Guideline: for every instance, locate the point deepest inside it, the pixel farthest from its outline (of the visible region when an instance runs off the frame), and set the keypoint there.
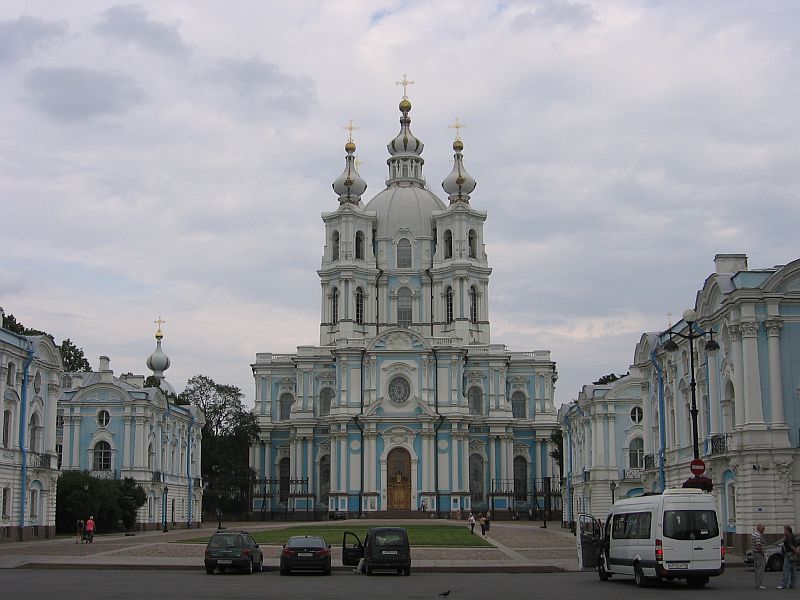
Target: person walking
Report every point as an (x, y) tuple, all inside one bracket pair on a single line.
[(482, 521), (90, 529), (759, 561), (471, 521), (79, 525), (790, 555), (488, 520)]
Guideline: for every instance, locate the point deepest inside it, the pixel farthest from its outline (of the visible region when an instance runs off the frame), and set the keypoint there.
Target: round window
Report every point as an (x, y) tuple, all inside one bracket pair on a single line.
[(399, 390), (637, 414), (103, 418)]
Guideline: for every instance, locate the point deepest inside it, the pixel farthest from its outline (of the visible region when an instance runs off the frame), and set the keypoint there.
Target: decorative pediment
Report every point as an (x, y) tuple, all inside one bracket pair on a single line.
[(400, 339), (283, 451), (398, 435), (472, 375)]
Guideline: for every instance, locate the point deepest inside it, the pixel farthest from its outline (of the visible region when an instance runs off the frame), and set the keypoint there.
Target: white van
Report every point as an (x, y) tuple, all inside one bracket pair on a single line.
[(674, 535)]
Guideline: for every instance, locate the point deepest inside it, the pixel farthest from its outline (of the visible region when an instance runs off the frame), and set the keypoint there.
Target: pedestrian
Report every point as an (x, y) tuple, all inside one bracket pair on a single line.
[(488, 520), (79, 525), (790, 557), (759, 561), (90, 529), (471, 521), (482, 521)]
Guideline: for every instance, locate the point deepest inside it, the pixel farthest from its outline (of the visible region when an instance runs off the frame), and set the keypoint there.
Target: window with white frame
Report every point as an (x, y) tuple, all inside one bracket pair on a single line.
[(475, 400), (335, 246), (359, 306), (11, 375), (448, 305), (101, 456), (103, 418), (520, 479), (34, 504), (325, 400), (6, 502), (335, 306), (359, 245), (636, 453), (518, 405), (473, 305), (476, 477), (448, 244), (404, 254), (473, 244), (636, 414), (285, 406), (6, 428), (404, 312)]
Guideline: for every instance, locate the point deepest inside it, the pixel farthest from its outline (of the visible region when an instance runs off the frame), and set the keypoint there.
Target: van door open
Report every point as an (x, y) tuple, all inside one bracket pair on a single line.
[(352, 549), (589, 542)]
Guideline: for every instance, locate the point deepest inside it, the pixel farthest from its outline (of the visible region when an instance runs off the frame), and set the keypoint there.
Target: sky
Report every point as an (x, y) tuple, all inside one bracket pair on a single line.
[(173, 158)]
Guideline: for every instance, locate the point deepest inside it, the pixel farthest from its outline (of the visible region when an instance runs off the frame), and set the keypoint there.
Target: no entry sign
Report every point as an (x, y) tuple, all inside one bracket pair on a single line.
[(697, 467)]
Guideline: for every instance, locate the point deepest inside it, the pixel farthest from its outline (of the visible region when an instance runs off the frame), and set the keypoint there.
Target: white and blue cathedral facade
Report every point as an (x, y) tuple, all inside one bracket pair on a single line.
[(406, 404)]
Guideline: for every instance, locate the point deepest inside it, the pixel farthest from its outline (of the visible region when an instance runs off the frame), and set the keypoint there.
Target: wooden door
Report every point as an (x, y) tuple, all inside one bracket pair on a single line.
[(398, 466)]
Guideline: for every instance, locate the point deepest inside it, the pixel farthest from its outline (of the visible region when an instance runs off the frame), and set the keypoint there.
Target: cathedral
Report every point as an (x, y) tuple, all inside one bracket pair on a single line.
[(406, 404)]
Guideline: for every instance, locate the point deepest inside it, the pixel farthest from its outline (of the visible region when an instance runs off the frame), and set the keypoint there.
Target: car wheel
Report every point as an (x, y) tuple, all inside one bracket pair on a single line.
[(696, 582), (249, 568), (407, 571), (775, 563), (638, 576), (260, 566), (210, 570), (284, 571)]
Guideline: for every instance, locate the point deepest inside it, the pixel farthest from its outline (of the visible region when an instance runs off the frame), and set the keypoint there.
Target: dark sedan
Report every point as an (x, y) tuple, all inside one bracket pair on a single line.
[(306, 553), (233, 550)]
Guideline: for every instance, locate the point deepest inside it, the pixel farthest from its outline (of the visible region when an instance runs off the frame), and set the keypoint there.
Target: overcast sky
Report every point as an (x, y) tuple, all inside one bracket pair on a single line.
[(173, 158)]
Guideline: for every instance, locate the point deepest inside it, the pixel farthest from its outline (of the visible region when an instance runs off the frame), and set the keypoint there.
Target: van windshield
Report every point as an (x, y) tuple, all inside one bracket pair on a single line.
[(690, 524), (389, 538)]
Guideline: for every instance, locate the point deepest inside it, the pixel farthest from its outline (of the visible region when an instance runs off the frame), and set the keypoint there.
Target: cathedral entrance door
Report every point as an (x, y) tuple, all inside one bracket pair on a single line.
[(398, 473)]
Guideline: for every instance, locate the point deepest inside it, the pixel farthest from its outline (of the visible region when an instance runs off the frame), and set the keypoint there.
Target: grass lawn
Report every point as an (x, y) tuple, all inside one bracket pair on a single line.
[(451, 536)]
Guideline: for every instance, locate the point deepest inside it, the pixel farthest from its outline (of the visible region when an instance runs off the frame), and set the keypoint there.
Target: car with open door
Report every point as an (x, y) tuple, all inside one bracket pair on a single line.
[(384, 548)]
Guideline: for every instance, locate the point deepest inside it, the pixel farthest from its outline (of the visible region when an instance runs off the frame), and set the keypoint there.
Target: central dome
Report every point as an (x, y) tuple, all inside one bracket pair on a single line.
[(405, 206)]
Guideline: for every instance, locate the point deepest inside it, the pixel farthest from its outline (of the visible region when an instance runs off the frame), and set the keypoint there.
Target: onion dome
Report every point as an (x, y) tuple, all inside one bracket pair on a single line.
[(158, 362), (405, 163), (458, 184), (349, 185)]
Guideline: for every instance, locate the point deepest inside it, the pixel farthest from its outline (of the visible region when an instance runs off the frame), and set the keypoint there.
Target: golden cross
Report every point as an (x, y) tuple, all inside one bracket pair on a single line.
[(160, 322), (350, 128), (669, 320), (458, 127), (405, 83)]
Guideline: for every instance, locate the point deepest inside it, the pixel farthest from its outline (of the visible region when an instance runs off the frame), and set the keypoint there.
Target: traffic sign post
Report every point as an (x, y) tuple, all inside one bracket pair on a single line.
[(697, 467)]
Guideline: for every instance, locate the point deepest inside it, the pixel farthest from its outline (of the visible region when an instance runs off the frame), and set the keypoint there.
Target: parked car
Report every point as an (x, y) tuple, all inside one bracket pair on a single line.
[(773, 554), (233, 550), (306, 553), (383, 548)]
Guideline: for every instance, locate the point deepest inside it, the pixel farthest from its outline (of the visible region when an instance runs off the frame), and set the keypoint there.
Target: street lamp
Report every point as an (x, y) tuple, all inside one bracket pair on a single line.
[(690, 316), (165, 527), (613, 487)]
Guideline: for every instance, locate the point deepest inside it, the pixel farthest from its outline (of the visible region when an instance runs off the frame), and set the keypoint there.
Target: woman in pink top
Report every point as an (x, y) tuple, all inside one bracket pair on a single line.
[(90, 529)]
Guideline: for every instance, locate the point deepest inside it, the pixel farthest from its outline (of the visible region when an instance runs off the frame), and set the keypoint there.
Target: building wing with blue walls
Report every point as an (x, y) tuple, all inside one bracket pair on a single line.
[(406, 404)]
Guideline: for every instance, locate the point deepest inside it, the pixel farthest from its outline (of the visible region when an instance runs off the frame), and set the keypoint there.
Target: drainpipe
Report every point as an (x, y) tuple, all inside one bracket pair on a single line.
[(23, 408), (428, 271), (361, 434), (189, 466), (662, 436), (439, 423)]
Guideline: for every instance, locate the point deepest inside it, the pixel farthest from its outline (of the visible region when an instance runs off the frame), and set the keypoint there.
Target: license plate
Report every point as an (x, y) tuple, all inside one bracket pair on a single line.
[(305, 554), (224, 561), (390, 551), (677, 565)]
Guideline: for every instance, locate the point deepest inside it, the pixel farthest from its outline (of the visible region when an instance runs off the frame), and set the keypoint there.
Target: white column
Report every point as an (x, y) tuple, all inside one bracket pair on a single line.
[(334, 462), (537, 457), (503, 457), (713, 393), (126, 444), (465, 461), (76, 440), (66, 442), (647, 428), (49, 445), (343, 463), (775, 376), (492, 462), (754, 411), (738, 375), (138, 454), (267, 458), (597, 442), (612, 442)]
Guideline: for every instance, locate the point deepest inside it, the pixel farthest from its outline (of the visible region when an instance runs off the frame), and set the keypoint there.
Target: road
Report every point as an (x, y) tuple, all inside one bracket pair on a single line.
[(79, 584)]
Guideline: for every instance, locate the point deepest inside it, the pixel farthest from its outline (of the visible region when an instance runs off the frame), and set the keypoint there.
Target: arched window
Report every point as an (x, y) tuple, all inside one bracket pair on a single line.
[(473, 244), (283, 477), (448, 244), (37, 383), (404, 254), (151, 458), (359, 306), (518, 405), (448, 305), (101, 456), (636, 453), (475, 400), (325, 400), (324, 478), (335, 246), (476, 477), (35, 434), (285, 408), (520, 479), (334, 306), (360, 245), (473, 305), (404, 307), (34, 507), (637, 414), (6, 429), (103, 418)]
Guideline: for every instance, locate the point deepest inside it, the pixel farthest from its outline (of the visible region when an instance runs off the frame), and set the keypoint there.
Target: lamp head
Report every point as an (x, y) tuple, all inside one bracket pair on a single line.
[(670, 345), (711, 345), (689, 315)]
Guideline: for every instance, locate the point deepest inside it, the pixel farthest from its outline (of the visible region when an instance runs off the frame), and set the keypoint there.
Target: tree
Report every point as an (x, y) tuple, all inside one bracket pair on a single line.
[(132, 496), (557, 453), (109, 501), (74, 359)]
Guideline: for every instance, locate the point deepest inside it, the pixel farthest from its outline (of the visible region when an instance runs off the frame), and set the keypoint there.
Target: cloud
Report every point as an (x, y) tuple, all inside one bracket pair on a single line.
[(553, 13), (259, 87), (130, 23), (21, 37), (78, 93)]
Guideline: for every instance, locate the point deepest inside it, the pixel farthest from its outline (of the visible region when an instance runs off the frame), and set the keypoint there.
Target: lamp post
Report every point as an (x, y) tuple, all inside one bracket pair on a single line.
[(690, 316), (613, 487), (165, 527)]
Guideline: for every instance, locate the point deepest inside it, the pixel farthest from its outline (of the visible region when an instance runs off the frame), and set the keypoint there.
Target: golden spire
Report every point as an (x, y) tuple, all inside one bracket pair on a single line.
[(458, 127), (350, 128), (159, 322), (405, 83)]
